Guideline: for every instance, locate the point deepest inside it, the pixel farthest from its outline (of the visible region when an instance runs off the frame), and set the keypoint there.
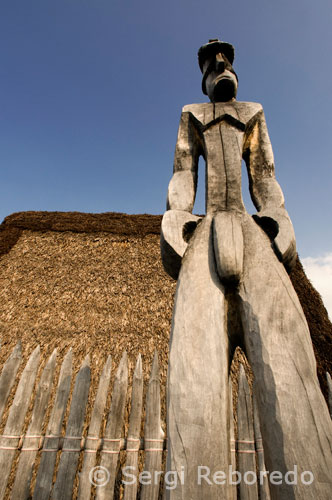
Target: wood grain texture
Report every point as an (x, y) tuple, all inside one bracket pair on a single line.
[(246, 442), (263, 483), (44, 479), (113, 431), (133, 438), (279, 350), (198, 396), (8, 375), (21, 488), (153, 435), (92, 440), (16, 417), (72, 443)]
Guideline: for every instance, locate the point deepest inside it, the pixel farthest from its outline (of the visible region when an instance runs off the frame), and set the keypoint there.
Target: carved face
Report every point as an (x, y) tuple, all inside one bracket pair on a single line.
[(220, 79)]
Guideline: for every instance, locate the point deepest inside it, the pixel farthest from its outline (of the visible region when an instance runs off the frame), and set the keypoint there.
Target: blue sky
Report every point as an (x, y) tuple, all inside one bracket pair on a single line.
[(92, 90)]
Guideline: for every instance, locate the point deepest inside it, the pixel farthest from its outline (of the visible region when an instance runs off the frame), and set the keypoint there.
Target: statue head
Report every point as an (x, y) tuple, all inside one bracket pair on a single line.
[(219, 78)]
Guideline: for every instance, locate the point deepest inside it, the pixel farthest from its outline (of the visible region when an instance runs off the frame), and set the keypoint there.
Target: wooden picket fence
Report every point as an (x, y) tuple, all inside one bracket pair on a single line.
[(55, 476), (72, 444)]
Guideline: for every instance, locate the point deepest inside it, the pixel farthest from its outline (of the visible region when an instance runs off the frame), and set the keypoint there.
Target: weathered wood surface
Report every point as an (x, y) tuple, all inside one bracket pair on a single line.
[(153, 435), (113, 432), (92, 441), (198, 370), (263, 483), (329, 385), (31, 443), (44, 479), (246, 442), (228, 246), (173, 239), (133, 439), (10, 439), (8, 375), (72, 443)]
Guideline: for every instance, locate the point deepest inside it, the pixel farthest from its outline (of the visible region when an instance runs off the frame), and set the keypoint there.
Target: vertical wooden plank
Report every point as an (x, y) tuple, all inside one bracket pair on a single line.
[(263, 483), (329, 385), (133, 439), (233, 489), (91, 443), (10, 439), (113, 431), (21, 488), (72, 442), (153, 435), (51, 442), (246, 443), (8, 375)]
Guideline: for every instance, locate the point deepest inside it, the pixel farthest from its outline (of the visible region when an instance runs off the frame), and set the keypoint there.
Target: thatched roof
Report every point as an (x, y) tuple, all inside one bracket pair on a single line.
[(95, 282)]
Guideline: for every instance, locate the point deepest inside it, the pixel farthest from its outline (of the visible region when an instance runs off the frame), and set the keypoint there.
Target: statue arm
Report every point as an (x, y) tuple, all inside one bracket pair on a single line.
[(178, 222), (265, 191), (182, 187)]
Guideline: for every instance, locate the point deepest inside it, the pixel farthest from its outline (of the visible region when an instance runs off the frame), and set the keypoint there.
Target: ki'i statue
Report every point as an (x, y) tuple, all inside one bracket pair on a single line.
[(233, 289)]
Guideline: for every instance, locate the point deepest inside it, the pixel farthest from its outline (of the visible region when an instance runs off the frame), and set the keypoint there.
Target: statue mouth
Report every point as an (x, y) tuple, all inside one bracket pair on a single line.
[(224, 89)]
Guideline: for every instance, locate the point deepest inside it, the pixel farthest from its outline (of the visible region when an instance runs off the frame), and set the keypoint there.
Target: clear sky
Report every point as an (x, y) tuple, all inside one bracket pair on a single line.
[(92, 90)]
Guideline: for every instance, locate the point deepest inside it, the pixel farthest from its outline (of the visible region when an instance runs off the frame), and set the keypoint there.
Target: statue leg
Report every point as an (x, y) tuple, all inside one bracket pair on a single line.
[(197, 395), (295, 423)]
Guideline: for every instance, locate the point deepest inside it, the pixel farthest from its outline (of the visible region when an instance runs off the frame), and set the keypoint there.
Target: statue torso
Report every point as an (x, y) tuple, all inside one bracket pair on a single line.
[(222, 129)]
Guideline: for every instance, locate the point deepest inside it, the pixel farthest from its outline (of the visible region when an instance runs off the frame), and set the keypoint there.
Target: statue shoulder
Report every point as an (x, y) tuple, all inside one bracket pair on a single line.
[(197, 108), (201, 111), (247, 110)]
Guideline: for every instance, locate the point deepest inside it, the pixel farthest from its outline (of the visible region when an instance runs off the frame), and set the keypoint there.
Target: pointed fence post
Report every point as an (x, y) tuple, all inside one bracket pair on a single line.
[(63, 487), (112, 440), (9, 441), (246, 443), (8, 375), (31, 443), (153, 435), (92, 440), (44, 479), (133, 439)]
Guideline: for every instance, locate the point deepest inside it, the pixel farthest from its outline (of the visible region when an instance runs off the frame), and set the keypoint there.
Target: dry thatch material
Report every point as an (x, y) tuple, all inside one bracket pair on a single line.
[(95, 282)]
